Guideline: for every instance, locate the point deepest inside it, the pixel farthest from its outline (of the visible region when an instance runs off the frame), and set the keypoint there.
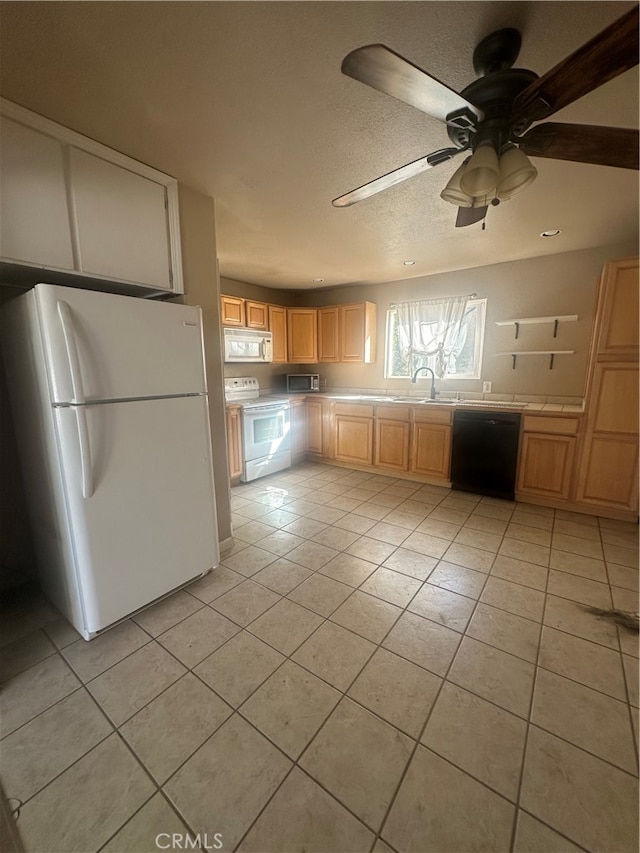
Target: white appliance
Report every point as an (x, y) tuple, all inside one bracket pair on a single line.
[(248, 345), (266, 428), (110, 403)]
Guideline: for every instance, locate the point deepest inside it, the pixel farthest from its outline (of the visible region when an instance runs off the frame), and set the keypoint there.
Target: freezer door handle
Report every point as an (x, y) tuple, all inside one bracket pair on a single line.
[(66, 320), (85, 451)]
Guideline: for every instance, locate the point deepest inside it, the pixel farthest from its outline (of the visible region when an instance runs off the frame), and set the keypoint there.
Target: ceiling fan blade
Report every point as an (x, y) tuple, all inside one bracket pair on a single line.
[(604, 57), (584, 143), (470, 215), (385, 70), (396, 177)]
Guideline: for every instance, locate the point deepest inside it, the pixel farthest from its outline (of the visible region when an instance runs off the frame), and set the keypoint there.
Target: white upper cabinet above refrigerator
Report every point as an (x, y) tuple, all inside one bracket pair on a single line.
[(69, 203), (116, 207), (33, 198)]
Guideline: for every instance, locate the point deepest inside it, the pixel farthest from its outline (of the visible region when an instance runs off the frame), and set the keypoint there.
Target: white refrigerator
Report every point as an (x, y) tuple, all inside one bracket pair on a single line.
[(109, 399)]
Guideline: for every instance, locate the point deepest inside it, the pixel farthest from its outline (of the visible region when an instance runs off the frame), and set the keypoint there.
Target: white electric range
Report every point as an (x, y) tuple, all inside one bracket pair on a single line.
[(266, 438)]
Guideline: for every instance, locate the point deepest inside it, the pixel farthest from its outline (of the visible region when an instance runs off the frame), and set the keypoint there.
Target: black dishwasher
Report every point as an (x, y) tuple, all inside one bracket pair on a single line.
[(484, 452)]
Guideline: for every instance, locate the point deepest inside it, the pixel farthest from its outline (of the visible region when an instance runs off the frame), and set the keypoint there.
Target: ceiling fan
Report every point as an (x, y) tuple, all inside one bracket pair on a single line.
[(492, 118)]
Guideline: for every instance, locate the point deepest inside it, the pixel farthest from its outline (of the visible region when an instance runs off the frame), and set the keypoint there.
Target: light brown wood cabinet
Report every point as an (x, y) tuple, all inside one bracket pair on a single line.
[(358, 332), (618, 310), (314, 427), (392, 437), (608, 468), (302, 335), (328, 327), (547, 455), (299, 442), (278, 329), (232, 311), (256, 314), (546, 465), (392, 445), (354, 439), (234, 442), (431, 450), (608, 473), (431, 443)]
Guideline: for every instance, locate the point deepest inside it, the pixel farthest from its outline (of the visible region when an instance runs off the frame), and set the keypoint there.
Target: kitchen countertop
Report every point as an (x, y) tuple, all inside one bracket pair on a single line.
[(445, 402), (493, 405)]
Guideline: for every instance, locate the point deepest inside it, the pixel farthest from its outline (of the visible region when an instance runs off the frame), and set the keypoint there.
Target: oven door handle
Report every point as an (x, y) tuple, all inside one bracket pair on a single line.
[(254, 410)]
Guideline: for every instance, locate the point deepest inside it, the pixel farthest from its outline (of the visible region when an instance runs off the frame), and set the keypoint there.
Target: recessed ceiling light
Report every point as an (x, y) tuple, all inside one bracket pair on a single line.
[(553, 233), (318, 279), (408, 263)]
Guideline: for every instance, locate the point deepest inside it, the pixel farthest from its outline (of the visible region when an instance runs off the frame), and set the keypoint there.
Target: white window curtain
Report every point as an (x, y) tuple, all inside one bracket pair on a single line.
[(431, 329)]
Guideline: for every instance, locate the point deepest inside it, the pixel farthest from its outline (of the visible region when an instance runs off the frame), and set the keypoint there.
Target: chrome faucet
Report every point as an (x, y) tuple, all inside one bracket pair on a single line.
[(414, 379)]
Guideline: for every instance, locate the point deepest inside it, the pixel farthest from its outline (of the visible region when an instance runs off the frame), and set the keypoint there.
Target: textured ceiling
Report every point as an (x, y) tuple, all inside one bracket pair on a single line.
[(245, 101)]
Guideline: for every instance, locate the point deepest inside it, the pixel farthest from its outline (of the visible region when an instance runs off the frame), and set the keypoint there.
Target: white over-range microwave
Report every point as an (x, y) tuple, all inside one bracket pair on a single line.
[(248, 345)]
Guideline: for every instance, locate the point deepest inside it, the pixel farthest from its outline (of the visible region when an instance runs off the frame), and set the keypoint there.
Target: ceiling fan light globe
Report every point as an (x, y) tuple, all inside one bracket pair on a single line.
[(481, 174), (516, 173), (453, 192)]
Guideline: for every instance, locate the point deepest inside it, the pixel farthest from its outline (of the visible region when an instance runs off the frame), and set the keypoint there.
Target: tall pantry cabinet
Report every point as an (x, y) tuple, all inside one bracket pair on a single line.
[(608, 469)]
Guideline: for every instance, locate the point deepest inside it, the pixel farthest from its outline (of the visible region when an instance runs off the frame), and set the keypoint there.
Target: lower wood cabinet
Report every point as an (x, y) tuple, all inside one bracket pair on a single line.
[(392, 437), (431, 450), (546, 464), (354, 439), (234, 442), (608, 475), (299, 441), (314, 427)]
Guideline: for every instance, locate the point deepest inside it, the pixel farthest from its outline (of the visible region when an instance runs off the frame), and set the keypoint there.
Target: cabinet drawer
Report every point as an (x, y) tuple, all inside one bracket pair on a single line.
[(428, 415), (393, 413), (557, 426), (354, 409)]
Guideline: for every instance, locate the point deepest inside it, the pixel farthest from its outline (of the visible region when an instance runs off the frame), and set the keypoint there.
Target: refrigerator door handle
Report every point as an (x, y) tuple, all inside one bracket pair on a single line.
[(85, 452), (66, 320)]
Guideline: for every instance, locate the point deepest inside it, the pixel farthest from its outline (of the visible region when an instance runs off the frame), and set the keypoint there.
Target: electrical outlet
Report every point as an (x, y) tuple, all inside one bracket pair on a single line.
[(486, 387)]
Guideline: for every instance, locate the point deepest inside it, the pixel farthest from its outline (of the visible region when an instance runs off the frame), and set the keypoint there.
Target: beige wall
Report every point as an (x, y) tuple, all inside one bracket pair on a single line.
[(556, 284), (202, 287)]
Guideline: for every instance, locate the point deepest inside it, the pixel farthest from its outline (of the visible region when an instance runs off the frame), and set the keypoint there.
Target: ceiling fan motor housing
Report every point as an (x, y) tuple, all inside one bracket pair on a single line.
[(494, 95)]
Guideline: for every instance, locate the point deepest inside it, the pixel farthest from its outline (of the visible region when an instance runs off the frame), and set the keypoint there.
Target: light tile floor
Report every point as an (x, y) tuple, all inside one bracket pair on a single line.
[(377, 665)]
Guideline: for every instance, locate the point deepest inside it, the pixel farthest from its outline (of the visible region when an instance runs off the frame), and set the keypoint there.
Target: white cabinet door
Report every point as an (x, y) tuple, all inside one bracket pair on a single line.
[(33, 198), (121, 221)]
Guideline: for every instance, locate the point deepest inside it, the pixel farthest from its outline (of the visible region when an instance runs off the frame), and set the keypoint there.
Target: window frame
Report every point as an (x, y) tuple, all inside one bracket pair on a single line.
[(392, 313)]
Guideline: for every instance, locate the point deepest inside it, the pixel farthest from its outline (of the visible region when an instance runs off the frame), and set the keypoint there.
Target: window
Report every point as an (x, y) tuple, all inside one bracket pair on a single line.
[(428, 337)]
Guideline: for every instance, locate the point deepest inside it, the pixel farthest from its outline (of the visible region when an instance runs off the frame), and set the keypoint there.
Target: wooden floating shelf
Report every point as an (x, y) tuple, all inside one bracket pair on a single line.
[(551, 353), (531, 321)]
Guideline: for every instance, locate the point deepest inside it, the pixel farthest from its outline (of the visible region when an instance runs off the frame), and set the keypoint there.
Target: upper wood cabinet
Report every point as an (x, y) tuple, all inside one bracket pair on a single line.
[(278, 328), (608, 468), (256, 314), (232, 311), (358, 332), (302, 335), (347, 333), (72, 204), (328, 327), (617, 318)]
